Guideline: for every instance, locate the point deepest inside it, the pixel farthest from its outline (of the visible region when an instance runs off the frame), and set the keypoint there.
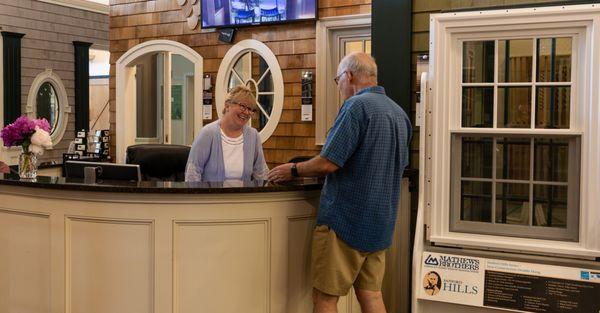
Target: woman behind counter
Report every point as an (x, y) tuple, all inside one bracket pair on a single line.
[(229, 149)]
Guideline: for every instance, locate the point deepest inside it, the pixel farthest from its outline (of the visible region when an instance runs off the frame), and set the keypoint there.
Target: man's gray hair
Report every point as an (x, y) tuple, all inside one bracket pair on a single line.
[(360, 64)]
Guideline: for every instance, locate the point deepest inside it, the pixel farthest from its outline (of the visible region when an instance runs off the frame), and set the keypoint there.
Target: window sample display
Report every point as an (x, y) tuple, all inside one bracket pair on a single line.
[(505, 171)]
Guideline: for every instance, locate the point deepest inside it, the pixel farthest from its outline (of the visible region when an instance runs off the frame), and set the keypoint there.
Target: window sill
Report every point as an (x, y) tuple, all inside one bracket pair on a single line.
[(515, 245)]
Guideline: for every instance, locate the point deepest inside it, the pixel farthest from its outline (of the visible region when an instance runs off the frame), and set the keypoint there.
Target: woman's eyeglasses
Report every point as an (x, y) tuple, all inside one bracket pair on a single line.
[(244, 107)]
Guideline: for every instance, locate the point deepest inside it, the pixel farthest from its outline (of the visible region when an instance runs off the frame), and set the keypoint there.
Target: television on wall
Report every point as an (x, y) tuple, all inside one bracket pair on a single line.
[(231, 13)]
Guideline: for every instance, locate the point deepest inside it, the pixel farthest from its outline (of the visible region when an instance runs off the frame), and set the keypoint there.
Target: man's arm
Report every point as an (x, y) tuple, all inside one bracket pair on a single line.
[(317, 166)]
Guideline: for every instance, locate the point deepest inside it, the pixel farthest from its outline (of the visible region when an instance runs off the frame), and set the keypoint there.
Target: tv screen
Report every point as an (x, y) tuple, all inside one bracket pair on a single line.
[(226, 13)]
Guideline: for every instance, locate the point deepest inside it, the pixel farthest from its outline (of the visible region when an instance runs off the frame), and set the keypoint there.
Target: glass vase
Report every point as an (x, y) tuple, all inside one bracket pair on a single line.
[(27, 165)]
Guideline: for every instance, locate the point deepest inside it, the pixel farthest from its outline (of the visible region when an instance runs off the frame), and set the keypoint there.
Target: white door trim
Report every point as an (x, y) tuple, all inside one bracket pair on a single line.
[(325, 27)]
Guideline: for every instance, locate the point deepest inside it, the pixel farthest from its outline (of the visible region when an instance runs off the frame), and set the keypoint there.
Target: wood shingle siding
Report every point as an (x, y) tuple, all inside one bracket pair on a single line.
[(134, 22)]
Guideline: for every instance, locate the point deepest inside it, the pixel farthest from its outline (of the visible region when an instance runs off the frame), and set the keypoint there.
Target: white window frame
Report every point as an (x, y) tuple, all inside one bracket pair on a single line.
[(227, 64), (446, 32), (327, 95), (571, 231), (63, 103), (82, 5)]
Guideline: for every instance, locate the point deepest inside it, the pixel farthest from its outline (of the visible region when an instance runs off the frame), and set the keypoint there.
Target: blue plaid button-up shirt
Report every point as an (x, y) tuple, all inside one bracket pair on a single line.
[(369, 142)]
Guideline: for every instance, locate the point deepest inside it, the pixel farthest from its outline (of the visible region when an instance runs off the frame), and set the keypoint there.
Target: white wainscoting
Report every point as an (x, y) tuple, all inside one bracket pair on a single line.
[(64, 251), (24, 261)]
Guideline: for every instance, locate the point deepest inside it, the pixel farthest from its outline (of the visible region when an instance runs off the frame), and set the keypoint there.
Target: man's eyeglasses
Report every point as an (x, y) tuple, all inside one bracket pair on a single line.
[(337, 78), (244, 107)]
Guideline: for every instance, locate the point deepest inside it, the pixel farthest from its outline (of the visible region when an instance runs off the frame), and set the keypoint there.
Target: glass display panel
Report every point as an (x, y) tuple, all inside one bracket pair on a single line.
[(512, 203), (476, 204), (552, 107), (476, 157), (554, 59), (551, 161), (47, 104), (514, 107), (353, 46), (513, 158), (259, 119), (478, 62), (149, 95), (243, 67), (550, 206), (515, 60), (478, 107), (182, 100), (259, 67)]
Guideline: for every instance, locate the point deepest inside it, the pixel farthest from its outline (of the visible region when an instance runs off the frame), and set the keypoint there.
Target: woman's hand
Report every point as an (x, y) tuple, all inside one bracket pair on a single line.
[(4, 168), (281, 173)]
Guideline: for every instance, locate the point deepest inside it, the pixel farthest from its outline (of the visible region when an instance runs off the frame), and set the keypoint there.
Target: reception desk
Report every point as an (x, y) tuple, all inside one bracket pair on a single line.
[(67, 246)]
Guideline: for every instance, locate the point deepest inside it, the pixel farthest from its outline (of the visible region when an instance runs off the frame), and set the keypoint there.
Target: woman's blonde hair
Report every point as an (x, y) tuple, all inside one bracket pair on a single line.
[(241, 92)]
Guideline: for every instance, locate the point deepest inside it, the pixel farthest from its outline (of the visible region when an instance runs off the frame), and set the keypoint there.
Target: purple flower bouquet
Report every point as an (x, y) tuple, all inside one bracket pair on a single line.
[(33, 137), (21, 131)]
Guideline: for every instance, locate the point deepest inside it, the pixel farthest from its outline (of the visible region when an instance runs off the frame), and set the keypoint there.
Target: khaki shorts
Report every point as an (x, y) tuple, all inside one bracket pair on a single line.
[(336, 266)]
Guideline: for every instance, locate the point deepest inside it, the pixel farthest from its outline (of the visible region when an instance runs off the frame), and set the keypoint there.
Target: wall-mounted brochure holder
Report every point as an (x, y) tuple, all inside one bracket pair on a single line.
[(307, 96), (207, 98)]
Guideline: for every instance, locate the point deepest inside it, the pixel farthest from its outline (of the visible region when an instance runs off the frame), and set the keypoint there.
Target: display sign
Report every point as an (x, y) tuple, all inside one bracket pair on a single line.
[(307, 96), (207, 106), (515, 286)]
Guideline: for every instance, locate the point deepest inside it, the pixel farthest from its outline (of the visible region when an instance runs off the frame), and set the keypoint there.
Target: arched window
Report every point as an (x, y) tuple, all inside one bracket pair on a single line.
[(253, 64), (47, 99), (154, 107)]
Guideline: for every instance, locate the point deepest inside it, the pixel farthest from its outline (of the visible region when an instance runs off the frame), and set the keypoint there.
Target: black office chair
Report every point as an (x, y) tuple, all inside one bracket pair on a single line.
[(158, 161)]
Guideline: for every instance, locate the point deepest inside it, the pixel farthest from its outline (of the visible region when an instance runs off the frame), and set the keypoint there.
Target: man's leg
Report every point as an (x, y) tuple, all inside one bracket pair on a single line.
[(370, 301), (368, 283), (324, 303), (335, 266)]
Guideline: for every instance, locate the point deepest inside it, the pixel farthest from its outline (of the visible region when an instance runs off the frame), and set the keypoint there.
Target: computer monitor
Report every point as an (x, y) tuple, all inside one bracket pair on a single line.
[(109, 171)]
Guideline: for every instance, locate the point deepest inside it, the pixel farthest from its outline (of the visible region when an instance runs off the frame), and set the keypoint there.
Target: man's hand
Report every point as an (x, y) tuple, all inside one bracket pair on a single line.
[(281, 173)]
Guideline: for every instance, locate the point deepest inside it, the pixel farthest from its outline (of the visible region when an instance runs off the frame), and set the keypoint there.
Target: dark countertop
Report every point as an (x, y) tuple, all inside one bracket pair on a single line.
[(45, 182)]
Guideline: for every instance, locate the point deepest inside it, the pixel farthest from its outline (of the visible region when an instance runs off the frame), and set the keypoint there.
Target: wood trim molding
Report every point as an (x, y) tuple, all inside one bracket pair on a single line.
[(324, 50), (82, 5)]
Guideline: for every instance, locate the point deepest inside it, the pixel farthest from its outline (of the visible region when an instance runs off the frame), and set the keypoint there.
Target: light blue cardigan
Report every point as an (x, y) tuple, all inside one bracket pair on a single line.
[(205, 162)]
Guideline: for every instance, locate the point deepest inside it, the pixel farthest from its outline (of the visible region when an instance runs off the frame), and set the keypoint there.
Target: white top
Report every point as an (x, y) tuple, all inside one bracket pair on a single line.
[(233, 156)]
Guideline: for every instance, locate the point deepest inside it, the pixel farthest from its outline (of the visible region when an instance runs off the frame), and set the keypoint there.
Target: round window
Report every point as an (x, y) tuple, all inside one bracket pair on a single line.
[(47, 98), (47, 105), (253, 71), (252, 64)]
